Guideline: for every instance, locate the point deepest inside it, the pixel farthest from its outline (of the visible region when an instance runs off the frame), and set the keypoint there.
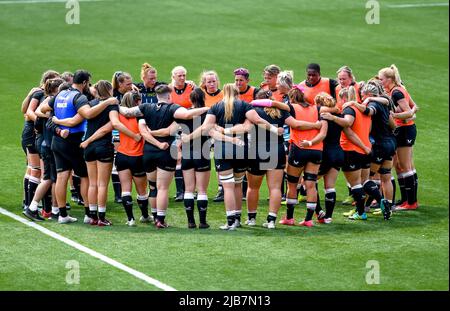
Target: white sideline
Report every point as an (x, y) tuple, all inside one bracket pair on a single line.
[(416, 5), (43, 1), (89, 251)]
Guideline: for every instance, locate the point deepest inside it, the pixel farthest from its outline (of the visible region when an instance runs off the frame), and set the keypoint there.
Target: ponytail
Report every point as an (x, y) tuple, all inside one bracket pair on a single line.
[(325, 100), (119, 77), (146, 68), (398, 80), (52, 85), (393, 74), (230, 94), (349, 93)]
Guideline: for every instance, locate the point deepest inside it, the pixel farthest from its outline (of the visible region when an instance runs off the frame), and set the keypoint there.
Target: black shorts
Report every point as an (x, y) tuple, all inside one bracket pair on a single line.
[(195, 160), (38, 143), (332, 157), (406, 135), (29, 138), (383, 151), (159, 159), (69, 155), (49, 164), (238, 166), (300, 157), (259, 167), (134, 164), (199, 165), (354, 161), (102, 152)]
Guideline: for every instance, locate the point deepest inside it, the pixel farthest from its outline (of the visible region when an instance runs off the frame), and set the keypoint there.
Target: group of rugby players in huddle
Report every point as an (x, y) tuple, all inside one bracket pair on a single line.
[(145, 133)]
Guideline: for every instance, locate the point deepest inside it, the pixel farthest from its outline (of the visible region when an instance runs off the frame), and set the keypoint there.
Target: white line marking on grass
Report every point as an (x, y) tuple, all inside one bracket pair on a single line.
[(89, 251), (416, 5), (43, 1)]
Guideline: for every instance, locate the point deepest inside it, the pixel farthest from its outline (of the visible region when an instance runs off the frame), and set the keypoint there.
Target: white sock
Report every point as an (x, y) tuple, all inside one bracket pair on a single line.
[(33, 206)]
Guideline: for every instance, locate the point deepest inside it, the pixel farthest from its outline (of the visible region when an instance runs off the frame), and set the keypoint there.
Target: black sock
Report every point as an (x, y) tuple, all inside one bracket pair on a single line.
[(318, 206), (371, 188), (63, 212), (127, 203), (271, 218), (102, 215), (73, 193), (189, 208), (179, 182), (301, 190), (251, 215), (237, 215), (310, 211), (289, 209), (394, 189), (283, 181), (116, 185), (25, 191), (202, 206), (76, 182), (93, 214), (349, 190), (32, 186), (416, 186), (244, 187), (230, 219), (401, 183), (87, 211), (143, 206), (155, 215), (330, 202), (47, 201), (410, 189), (161, 218), (359, 197)]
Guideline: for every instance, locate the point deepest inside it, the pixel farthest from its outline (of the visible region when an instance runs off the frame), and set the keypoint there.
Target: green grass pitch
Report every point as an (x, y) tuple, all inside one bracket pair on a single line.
[(412, 248)]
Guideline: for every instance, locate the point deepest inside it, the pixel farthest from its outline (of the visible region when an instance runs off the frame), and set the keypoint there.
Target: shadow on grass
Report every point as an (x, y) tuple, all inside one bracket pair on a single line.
[(425, 215)]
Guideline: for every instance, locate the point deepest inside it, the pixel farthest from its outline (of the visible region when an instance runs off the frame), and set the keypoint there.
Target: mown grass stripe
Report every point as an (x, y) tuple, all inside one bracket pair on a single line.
[(89, 251)]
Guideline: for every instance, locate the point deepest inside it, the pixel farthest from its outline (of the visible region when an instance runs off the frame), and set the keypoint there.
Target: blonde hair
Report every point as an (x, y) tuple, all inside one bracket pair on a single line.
[(349, 93), (130, 99), (286, 79), (230, 94), (119, 77), (273, 112), (174, 70), (206, 74), (324, 99), (103, 88), (146, 68), (348, 70), (391, 73)]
